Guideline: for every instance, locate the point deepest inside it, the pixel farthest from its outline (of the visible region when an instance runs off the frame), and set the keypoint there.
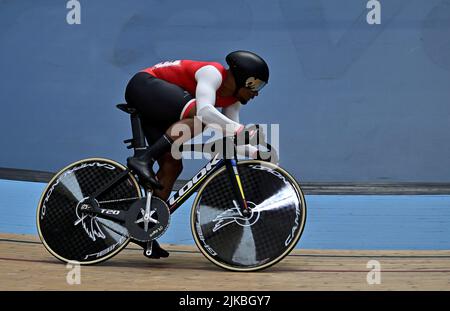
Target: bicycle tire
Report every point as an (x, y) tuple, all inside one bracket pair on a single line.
[(92, 239)]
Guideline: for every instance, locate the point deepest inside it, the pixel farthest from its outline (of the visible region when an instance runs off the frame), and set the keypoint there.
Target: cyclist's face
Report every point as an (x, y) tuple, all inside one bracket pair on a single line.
[(245, 94)]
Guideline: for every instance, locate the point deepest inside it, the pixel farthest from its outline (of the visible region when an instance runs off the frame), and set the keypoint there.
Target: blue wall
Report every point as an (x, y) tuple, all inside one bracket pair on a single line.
[(355, 102)]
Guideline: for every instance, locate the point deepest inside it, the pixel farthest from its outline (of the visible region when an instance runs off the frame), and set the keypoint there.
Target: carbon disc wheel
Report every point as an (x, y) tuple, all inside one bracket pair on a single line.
[(258, 239), (66, 230)]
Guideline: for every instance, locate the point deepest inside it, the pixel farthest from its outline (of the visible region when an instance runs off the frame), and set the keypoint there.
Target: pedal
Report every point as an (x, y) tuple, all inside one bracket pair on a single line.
[(149, 248)]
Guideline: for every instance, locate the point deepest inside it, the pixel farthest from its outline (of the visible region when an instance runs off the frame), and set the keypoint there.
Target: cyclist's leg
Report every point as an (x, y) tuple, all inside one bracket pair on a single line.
[(160, 104), (170, 167), (169, 170)]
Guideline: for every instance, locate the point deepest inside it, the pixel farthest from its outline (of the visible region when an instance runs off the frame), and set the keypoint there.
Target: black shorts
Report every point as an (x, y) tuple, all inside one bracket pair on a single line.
[(159, 103)]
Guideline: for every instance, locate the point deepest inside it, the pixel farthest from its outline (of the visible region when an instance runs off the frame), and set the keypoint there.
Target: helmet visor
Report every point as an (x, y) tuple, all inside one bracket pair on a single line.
[(254, 84)]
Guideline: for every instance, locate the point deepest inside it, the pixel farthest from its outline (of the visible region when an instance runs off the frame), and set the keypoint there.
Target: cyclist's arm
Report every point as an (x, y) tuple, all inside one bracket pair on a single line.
[(232, 111), (209, 80)]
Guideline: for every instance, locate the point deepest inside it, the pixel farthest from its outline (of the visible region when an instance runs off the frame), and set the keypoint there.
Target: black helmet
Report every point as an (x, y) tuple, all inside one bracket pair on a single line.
[(248, 69)]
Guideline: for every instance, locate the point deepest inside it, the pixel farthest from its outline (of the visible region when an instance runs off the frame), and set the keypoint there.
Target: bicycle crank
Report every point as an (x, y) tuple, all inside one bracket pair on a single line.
[(147, 219)]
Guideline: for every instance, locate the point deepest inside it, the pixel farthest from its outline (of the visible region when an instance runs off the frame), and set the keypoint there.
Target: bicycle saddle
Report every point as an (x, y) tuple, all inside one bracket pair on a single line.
[(126, 108)]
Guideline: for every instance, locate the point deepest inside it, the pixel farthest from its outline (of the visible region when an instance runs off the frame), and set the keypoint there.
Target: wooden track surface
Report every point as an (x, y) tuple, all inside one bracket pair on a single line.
[(26, 265)]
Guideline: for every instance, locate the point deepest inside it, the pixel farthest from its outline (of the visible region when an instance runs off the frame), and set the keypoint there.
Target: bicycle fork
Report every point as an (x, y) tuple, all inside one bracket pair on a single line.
[(236, 184)]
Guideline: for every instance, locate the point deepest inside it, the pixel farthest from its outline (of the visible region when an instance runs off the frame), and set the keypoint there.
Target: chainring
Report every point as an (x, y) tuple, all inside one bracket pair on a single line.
[(160, 212)]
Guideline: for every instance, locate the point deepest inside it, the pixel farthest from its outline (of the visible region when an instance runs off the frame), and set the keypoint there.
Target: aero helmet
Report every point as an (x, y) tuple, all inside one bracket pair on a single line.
[(248, 69)]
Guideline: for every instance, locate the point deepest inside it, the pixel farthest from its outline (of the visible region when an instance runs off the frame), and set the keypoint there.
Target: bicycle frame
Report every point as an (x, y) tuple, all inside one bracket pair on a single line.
[(175, 201), (232, 169), (185, 192)]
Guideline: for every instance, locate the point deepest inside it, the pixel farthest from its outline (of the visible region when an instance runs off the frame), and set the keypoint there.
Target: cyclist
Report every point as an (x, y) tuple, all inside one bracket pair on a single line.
[(184, 92)]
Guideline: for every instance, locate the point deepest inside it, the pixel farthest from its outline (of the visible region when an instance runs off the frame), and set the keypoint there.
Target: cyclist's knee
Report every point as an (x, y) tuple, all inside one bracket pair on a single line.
[(185, 129)]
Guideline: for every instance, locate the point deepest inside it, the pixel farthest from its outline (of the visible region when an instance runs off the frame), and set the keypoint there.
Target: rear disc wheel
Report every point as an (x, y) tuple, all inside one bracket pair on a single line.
[(65, 227)]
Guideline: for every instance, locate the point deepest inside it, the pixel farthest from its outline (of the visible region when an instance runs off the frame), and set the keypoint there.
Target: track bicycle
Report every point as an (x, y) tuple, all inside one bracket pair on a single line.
[(247, 214)]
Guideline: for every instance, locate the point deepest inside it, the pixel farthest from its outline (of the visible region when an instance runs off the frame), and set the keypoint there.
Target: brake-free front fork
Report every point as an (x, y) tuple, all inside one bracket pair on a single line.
[(236, 184)]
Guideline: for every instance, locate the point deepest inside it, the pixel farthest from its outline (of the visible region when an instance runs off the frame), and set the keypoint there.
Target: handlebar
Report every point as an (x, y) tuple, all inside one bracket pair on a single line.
[(216, 146)]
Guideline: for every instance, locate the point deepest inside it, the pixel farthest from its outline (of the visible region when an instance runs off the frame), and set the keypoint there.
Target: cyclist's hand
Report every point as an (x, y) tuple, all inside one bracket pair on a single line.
[(248, 134)]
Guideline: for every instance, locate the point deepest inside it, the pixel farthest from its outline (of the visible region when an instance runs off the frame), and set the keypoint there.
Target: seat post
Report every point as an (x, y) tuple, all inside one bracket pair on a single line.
[(139, 144)]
